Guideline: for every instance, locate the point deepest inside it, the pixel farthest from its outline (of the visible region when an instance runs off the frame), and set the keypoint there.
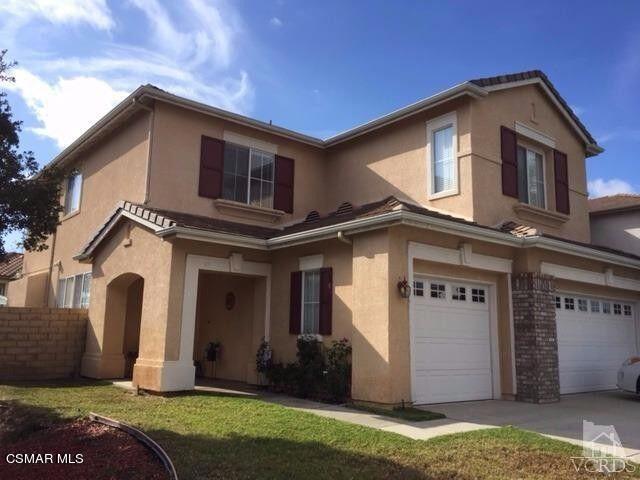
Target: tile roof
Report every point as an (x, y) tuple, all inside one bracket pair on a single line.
[(10, 265), (159, 219), (532, 74), (621, 201)]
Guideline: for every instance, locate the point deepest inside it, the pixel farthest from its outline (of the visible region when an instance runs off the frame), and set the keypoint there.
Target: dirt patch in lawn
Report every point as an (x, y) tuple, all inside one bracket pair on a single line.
[(80, 450)]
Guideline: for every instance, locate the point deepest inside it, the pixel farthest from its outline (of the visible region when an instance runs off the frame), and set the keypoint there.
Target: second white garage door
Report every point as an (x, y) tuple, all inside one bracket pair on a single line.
[(451, 335), (595, 335)]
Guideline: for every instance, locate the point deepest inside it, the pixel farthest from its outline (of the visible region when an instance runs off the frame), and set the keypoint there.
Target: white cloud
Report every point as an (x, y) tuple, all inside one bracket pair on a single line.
[(275, 22), (190, 52), (93, 12), (67, 107), (207, 34), (602, 188)]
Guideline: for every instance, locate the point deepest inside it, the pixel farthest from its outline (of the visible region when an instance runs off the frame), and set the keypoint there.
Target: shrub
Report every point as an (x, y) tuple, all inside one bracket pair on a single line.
[(317, 373), (338, 377)]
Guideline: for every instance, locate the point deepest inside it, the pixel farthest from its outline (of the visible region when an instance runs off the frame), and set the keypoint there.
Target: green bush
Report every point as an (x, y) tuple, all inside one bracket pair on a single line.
[(319, 374)]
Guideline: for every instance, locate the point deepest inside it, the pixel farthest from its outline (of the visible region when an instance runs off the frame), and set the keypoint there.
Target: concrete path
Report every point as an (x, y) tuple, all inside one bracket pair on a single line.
[(562, 420)]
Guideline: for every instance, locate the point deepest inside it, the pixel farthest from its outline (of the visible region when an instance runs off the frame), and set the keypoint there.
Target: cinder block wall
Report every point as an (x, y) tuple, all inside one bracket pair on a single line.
[(41, 343)]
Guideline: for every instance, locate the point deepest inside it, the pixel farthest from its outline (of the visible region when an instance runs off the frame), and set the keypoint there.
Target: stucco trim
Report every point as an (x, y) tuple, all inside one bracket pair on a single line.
[(535, 135), (606, 279), (464, 256)]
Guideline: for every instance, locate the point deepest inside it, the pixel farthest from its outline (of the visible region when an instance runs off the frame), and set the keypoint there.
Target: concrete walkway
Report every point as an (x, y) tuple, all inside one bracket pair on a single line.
[(562, 420)]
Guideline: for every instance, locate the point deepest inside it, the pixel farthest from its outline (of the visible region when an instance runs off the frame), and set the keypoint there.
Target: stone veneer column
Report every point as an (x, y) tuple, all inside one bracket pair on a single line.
[(536, 340)]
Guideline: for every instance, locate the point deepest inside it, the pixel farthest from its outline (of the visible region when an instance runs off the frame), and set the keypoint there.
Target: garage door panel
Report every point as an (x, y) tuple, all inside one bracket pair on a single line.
[(451, 346), (459, 355), (451, 387), (593, 344)]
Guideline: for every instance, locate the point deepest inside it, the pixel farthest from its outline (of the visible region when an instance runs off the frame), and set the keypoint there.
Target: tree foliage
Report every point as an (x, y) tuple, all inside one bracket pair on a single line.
[(29, 199)]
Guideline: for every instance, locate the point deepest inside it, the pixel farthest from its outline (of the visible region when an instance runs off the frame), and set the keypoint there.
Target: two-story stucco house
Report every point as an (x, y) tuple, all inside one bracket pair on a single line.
[(185, 224)]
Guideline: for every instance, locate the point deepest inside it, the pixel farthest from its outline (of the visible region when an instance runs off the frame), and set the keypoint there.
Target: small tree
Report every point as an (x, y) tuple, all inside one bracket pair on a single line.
[(29, 200)]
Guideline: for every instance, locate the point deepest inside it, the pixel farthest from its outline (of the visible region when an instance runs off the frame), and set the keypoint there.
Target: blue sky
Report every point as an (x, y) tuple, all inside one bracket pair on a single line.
[(321, 67)]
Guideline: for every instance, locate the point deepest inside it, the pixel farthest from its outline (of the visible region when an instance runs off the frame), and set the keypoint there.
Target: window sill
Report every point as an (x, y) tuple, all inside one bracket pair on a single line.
[(251, 212), (444, 194), (540, 215), (67, 216)]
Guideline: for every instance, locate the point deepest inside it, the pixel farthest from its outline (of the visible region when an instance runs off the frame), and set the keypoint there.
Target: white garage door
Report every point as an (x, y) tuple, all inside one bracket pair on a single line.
[(451, 337), (595, 336)]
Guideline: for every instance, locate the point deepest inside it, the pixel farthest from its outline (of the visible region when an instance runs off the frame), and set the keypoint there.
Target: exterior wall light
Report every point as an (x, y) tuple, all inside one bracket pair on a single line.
[(404, 288)]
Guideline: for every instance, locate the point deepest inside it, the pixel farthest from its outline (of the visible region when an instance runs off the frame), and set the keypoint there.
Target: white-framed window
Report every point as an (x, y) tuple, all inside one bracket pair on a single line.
[(418, 288), (73, 192), (617, 309), (438, 290), (459, 293), (478, 295), (582, 305), (569, 303), (442, 156), (74, 291), (248, 175), (595, 306), (558, 302), (531, 174), (310, 302), (606, 307), (627, 310)]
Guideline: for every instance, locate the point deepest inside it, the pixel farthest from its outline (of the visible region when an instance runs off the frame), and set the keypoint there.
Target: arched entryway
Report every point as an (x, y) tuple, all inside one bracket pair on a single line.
[(123, 313)]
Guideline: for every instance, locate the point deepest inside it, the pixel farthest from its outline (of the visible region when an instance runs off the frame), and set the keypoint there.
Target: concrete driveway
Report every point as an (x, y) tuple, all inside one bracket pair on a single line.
[(562, 420)]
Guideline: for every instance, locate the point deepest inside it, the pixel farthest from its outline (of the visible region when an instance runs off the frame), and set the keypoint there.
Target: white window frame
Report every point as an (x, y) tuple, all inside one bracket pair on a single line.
[(68, 208), (540, 152), (434, 125), (61, 300), (310, 263), (253, 149)]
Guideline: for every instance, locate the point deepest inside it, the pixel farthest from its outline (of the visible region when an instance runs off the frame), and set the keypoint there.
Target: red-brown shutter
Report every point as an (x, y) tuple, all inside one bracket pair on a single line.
[(211, 166), (326, 300), (561, 181), (295, 303), (283, 189), (509, 148)]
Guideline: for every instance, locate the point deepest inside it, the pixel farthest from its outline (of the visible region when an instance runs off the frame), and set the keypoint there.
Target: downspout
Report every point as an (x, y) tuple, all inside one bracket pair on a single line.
[(50, 286), (136, 101), (344, 239)]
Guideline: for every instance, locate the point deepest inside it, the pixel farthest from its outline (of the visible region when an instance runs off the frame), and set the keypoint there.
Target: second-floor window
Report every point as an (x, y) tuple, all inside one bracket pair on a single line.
[(72, 193), (442, 156), (248, 175), (531, 177)]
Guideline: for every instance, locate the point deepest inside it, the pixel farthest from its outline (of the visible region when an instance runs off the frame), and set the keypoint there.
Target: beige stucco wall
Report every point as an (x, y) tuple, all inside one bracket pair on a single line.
[(617, 230), (114, 169), (393, 161), (505, 107), (175, 165), (131, 252)]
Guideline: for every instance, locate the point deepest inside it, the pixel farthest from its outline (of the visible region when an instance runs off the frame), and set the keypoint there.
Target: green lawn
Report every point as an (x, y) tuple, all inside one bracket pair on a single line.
[(216, 436), (408, 413)]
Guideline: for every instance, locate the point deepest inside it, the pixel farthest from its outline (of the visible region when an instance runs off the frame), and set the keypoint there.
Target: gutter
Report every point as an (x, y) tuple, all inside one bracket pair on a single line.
[(399, 217)]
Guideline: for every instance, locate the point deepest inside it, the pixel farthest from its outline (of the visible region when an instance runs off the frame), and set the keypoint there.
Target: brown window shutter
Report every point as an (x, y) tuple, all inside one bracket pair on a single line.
[(295, 304), (509, 147), (326, 300), (211, 166), (283, 189), (561, 181)]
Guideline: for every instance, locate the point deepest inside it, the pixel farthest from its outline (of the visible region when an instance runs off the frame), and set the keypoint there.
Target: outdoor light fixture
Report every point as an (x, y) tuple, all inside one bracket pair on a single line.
[(404, 288)]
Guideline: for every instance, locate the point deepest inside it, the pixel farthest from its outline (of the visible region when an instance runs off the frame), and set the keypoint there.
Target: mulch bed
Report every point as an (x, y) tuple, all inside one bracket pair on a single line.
[(107, 453)]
